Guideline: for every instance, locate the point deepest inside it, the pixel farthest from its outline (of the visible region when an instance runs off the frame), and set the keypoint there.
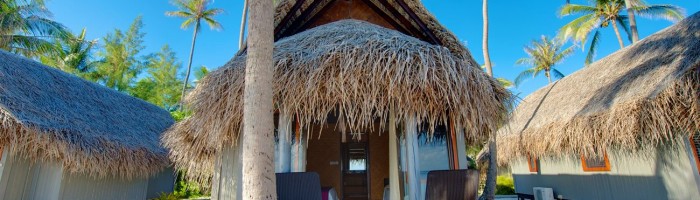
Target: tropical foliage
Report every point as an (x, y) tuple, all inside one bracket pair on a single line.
[(161, 85), (543, 56), (121, 62), (72, 54), (609, 13), (25, 27)]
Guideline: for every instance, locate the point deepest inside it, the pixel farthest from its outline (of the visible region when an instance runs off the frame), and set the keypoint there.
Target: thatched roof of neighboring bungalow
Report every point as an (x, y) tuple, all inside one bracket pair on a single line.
[(644, 95), (351, 67), (49, 115)]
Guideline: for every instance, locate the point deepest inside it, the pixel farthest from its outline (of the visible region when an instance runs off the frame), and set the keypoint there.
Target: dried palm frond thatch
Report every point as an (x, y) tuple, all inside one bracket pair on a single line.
[(642, 96), (49, 115), (351, 67)]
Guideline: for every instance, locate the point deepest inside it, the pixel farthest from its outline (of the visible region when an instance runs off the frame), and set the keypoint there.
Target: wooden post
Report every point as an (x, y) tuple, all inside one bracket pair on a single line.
[(461, 146), (393, 158), (299, 150), (284, 144)]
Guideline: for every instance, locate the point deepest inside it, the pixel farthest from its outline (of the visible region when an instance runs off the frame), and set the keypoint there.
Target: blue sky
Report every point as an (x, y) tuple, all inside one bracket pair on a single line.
[(513, 25)]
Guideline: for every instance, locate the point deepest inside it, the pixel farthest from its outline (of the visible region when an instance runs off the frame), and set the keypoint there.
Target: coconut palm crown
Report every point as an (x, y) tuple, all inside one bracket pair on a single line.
[(609, 13), (543, 55)]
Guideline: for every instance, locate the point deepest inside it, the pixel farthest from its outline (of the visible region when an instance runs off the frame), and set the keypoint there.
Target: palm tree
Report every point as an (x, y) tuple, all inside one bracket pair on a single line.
[(543, 55), (490, 189), (72, 55), (194, 11), (604, 13), (25, 27), (257, 139), (607, 13)]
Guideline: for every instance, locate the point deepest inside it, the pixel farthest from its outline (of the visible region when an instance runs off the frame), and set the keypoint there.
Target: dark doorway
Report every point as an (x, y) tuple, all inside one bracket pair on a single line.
[(355, 170)]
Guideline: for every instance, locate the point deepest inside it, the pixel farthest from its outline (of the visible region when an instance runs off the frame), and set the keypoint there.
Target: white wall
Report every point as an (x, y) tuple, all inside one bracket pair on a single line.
[(76, 186), (659, 173), (21, 179), (163, 182)]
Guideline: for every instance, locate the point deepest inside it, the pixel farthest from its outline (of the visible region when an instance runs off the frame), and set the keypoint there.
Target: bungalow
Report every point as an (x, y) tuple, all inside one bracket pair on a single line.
[(62, 137), (625, 127), (370, 94)]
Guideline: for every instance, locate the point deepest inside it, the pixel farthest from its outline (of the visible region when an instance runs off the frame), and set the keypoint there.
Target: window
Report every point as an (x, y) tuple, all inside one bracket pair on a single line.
[(533, 163), (595, 163), (694, 145)]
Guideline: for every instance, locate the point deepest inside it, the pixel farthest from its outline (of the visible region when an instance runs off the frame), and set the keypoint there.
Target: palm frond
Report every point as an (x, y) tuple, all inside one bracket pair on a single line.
[(527, 74), (572, 9), (665, 11), (188, 23), (556, 73), (593, 48), (180, 13), (623, 21), (213, 24)]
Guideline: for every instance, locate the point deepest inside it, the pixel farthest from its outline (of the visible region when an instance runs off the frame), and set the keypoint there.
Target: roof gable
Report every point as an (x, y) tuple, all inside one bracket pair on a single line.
[(407, 16), (306, 14)]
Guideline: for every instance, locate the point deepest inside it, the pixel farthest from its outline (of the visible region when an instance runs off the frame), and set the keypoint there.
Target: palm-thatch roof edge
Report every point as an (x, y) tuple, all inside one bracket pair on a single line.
[(351, 67), (49, 115), (642, 96)]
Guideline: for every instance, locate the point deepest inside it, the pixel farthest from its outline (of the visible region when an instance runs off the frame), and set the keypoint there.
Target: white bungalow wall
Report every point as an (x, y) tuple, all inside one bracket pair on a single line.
[(83, 187), (21, 179), (668, 173), (163, 182)]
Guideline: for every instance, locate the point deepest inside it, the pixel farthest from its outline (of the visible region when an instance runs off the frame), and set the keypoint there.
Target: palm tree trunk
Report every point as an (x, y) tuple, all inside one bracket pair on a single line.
[(490, 189), (617, 33), (548, 75), (243, 22), (189, 63), (633, 21), (485, 44), (258, 142)]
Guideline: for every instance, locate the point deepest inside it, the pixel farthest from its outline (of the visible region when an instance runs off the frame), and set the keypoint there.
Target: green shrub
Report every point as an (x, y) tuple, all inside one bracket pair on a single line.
[(167, 196), (505, 185)]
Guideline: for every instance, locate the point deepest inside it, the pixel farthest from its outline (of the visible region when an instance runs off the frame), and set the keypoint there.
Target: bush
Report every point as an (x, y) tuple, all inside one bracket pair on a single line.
[(167, 196), (505, 185)]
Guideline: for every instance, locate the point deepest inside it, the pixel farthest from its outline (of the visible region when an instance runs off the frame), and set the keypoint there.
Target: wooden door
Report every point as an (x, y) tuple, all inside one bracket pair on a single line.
[(355, 170)]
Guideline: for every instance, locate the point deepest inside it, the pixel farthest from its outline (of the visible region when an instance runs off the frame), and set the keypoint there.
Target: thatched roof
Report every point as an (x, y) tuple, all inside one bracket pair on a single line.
[(351, 67), (646, 94), (47, 114)]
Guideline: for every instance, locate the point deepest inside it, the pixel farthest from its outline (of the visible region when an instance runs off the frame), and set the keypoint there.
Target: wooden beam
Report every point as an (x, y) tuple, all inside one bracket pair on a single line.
[(298, 20), (418, 21), (389, 19), (313, 19), (413, 31), (286, 18)]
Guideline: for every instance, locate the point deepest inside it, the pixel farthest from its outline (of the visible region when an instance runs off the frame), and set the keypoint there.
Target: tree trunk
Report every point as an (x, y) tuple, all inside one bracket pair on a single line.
[(258, 142), (548, 75), (617, 32), (189, 63), (490, 189), (633, 21), (485, 44), (243, 22)]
